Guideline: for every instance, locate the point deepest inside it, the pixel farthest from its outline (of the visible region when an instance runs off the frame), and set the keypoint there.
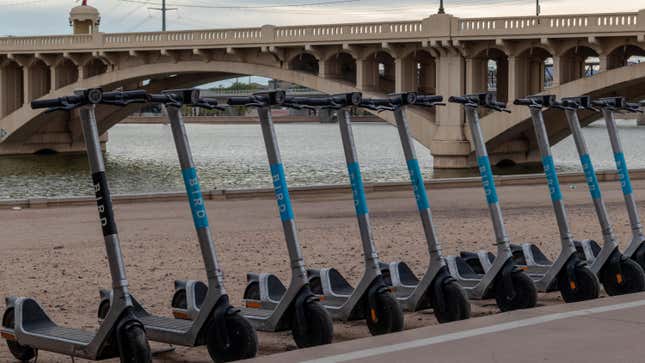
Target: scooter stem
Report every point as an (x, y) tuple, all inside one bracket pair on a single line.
[(488, 181), (104, 201)]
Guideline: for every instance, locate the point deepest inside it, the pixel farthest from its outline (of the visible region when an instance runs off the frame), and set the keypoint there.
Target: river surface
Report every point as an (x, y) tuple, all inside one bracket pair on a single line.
[(142, 159)]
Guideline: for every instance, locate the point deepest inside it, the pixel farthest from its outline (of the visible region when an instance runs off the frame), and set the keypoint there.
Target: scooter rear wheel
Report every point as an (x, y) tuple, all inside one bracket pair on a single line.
[(585, 287), (455, 305), (243, 341), (20, 352), (386, 316), (525, 293), (320, 329), (135, 345), (631, 280)]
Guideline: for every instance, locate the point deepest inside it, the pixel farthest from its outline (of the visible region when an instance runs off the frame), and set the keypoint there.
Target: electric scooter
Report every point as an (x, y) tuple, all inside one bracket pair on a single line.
[(609, 106), (218, 325), (617, 273), (436, 289), (511, 287), (568, 273), (269, 306), (370, 299), (25, 325)]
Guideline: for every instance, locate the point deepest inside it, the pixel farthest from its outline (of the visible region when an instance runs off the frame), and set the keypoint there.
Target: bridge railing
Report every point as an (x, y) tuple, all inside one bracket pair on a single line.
[(272, 35), (594, 23), (349, 31)]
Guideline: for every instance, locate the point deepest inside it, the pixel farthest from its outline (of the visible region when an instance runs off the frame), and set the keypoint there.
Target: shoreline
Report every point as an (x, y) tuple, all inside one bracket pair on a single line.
[(308, 192)]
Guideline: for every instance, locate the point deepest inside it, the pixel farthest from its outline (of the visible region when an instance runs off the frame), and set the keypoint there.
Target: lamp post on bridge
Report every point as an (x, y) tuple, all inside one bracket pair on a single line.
[(441, 9)]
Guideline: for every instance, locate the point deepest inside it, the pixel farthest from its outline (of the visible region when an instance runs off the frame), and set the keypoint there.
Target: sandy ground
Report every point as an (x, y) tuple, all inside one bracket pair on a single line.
[(56, 255)]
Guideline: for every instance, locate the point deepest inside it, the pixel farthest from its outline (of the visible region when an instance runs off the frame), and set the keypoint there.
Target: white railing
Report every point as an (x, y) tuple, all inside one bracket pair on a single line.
[(595, 23), (603, 24)]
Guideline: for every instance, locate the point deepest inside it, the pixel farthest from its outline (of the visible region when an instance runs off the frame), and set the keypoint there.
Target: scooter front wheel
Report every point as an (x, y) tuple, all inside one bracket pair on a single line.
[(455, 305), (585, 287), (320, 329), (20, 352), (135, 347), (523, 296), (630, 280), (242, 341), (385, 316)]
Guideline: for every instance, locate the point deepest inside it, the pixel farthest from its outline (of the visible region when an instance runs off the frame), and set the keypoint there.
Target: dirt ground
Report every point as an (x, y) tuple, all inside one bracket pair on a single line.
[(56, 255)]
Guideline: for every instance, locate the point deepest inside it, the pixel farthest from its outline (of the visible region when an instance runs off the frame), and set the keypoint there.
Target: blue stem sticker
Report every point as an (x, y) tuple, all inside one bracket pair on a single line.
[(623, 173), (417, 184), (281, 192), (360, 203), (552, 178), (487, 179), (195, 197), (590, 176)]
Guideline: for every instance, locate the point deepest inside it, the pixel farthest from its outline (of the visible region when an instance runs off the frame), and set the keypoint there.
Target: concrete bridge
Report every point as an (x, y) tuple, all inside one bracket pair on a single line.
[(443, 54)]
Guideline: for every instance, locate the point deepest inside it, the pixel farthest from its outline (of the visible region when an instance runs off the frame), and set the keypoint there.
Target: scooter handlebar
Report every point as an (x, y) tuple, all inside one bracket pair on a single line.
[(125, 97), (159, 98), (261, 99), (459, 99), (428, 99), (334, 101)]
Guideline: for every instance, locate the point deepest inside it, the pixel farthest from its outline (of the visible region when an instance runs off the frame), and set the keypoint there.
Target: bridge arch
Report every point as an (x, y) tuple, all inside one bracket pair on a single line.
[(535, 62), (39, 80), (379, 73), (13, 79), (66, 72), (621, 55), (305, 62), (341, 66), (577, 62), (490, 72)]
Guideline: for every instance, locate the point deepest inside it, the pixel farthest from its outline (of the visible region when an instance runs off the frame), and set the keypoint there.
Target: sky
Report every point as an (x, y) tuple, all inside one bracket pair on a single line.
[(36, 17)]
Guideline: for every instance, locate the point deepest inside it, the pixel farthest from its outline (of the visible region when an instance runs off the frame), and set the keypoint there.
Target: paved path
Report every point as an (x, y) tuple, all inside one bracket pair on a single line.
[(607, 330)]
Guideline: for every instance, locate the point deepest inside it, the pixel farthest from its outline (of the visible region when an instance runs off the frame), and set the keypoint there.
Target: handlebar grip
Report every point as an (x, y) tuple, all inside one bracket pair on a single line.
[(160, 98), (377, 101), (239, 101), (634, 105), (309, 101), (522, 102), (429, 99), (46, 103), (458, 99)]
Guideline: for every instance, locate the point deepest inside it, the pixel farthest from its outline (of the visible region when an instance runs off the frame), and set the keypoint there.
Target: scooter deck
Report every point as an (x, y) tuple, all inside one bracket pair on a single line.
[(152, 322), (251, 313), (77, 336)]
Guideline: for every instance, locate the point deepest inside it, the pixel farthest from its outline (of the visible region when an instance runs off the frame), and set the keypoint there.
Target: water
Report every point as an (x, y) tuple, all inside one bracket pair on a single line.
[(142, 158)]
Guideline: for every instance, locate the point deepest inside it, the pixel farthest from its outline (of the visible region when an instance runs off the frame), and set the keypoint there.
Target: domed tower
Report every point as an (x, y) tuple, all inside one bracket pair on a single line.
[(84, 19)]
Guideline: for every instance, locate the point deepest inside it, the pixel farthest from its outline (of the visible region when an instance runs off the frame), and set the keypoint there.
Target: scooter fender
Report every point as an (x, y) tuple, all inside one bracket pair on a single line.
[(304, 298), (507, 277), (442, 279), (377, 288), (223, 309), (128, 321)]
